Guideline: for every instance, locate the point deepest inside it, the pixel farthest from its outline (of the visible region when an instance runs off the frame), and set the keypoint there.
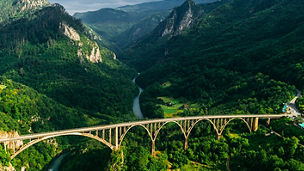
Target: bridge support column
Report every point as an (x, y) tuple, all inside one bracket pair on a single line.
[(219, 136), (116, 138), (186, 143), (255, 124), (153, 148)]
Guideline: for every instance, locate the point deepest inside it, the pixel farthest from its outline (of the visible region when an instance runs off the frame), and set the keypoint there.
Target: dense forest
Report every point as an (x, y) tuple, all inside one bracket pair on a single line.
[(226, 57), (236, 150), (46, 85), (229, 61)]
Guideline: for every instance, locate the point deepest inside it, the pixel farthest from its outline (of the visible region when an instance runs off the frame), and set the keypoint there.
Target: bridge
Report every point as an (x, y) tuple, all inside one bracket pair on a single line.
[(113, 135)]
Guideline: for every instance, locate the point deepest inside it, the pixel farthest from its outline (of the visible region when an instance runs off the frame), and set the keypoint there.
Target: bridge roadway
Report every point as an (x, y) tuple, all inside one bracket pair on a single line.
[(113, 135), (94, 128)]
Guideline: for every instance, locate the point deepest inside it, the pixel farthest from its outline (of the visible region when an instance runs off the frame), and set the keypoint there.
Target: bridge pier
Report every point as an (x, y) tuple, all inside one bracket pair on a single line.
[(186, 143), (153, 148), (219, 136), (255, 124)]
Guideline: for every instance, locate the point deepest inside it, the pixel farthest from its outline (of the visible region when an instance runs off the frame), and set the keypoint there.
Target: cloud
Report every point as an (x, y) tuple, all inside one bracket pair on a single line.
[(73, 6)]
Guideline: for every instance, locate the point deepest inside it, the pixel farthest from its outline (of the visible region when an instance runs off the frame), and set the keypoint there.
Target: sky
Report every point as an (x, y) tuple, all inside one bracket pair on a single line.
[(73, 6)]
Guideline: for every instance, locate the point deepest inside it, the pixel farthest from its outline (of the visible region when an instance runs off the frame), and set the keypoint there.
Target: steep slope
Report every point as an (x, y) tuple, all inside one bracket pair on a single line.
[(122, 26), (51, 53), (25, 111), (241, 56), (15, 9), (54, 75), (180, 19)]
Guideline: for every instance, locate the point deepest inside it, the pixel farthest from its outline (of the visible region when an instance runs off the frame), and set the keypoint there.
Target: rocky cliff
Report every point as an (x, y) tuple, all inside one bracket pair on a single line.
[(12, 10), (92, 53), (180, 19), (11, 145), (32, 4)]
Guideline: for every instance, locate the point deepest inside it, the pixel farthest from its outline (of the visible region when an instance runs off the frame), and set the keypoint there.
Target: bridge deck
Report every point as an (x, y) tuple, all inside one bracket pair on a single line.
[(94, 128)]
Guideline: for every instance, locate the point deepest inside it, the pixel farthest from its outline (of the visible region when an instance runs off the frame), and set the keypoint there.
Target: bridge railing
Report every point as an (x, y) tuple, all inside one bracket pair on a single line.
[(113, 135)]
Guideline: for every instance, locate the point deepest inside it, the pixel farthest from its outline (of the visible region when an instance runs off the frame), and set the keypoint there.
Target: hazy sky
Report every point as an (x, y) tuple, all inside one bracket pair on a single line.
[(73, 6)]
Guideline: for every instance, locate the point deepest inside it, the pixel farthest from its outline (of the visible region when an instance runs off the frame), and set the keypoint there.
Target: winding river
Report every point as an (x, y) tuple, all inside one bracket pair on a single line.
[(54, 166), (136, 104)]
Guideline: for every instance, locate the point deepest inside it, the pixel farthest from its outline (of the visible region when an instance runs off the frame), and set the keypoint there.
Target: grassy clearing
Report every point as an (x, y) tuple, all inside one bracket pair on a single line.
[(176, 106), (166, 84), (172, 110)]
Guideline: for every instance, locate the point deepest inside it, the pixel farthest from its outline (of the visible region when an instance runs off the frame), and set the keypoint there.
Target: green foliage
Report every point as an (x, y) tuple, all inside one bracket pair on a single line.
[(4, 157), (46, 86), (36, 157), (12, 10), (91, 154), (300, 104), (223, 63)]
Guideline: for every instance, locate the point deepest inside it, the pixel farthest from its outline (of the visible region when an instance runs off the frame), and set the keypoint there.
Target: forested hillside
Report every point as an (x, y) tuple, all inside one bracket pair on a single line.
[(53, 77), (227, 61), (241, 56), (226, 57), (125, 25)]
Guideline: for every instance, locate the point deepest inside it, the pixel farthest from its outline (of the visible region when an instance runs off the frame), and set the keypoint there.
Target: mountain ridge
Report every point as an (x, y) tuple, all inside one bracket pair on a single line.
[(124, 25), (181, 18), (49, 59)]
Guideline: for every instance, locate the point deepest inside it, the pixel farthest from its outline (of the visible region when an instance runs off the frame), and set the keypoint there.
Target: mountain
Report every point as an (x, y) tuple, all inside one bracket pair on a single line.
[(55, 75), (124, 25), (14, 9), (158, 5), (180, 19), (234, 58), (177, 22)]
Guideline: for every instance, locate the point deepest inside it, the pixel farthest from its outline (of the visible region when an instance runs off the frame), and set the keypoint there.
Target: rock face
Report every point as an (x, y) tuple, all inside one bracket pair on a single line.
[(180, 19), (11, 145), (32, 4), (12, 10), (7, 168), (93, 55), (114, 56), (69, 32)]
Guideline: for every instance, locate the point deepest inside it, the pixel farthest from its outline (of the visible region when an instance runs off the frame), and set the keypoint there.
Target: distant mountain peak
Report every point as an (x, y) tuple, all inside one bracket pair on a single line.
[(14, 9), (180, 19), (31, 4)]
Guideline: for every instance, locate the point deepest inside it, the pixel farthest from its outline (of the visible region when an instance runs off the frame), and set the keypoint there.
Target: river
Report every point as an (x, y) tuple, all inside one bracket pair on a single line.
[(136, 104)]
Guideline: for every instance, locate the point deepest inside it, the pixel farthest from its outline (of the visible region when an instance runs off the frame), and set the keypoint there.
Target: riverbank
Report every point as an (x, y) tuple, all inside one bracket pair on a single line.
[(136, 102)]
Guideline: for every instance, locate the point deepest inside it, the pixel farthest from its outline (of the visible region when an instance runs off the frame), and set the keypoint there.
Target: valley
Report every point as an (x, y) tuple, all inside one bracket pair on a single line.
[(219, 88)]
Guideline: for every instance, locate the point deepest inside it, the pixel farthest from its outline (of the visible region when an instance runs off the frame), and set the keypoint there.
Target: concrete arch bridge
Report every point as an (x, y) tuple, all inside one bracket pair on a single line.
[(113, 135)]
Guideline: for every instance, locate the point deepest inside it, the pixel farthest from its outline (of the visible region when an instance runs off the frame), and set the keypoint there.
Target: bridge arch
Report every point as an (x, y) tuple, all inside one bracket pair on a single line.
[(242, 119), (31, 143), (125, 133), (218, 130), (153, 135)]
